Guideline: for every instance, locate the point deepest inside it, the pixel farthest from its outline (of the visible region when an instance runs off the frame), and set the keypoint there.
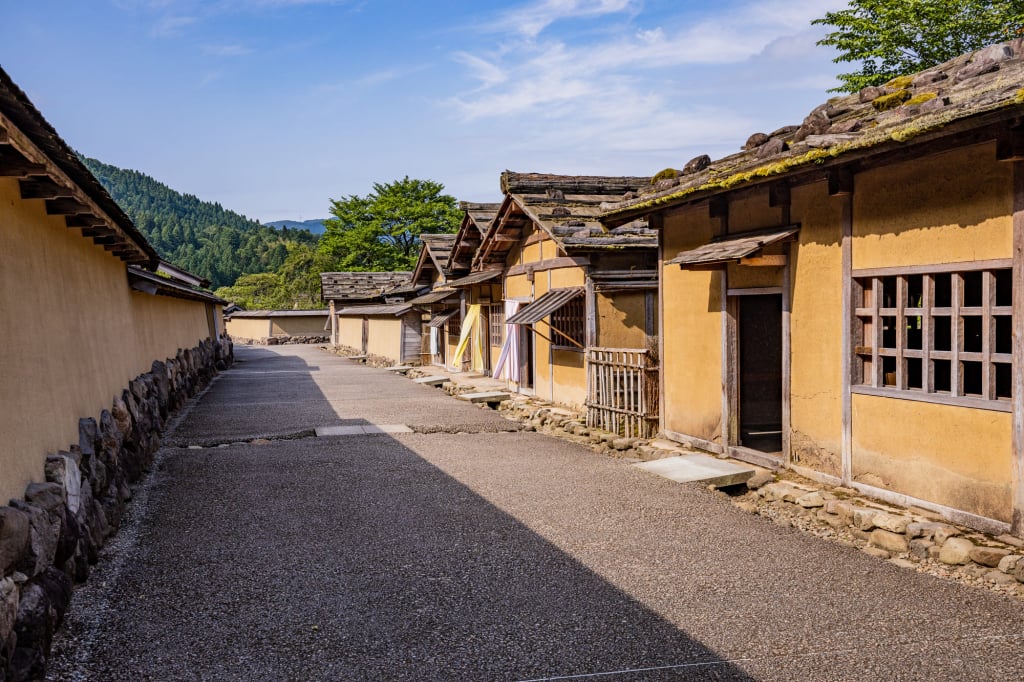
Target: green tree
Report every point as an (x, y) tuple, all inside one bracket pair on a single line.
[(260, 291), (381, 230), (892, 38)]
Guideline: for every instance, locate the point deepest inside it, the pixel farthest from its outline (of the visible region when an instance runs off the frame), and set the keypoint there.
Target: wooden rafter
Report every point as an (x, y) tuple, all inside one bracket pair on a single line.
[(43, 187)]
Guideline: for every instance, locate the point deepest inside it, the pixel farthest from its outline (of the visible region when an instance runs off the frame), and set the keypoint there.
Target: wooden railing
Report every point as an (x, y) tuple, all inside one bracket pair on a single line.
[(622, 391)]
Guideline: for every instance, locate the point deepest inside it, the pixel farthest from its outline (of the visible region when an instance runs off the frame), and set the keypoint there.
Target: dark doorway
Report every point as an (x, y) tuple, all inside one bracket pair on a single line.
[(760, 365), (525, 356)]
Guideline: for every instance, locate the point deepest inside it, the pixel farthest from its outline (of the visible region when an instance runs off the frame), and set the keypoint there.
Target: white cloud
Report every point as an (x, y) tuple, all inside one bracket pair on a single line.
[(171, 26), (227, 50), (530, 20)]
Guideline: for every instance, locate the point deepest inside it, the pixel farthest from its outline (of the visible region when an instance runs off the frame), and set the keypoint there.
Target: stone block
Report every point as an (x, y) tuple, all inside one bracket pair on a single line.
[(988, 556), (833, 520), (891, 522), (622, 444), (62, 469), (864, 518), (877, 552), (1008, 563), (889, 541), (44, 535), (8, 610), (1000, 578), (760, 479), (956, 551), (47, 496), (811, 500), (943, 532), (919, 547), (14, 537)]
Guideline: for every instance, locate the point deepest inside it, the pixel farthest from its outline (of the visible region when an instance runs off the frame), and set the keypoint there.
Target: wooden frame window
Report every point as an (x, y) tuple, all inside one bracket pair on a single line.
[(455, 325), (941, 334), (497, 324), (570, 322)]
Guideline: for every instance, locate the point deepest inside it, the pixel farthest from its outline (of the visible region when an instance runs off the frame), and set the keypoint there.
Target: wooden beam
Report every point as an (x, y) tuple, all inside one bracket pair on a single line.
[(1010, 144), (86, 220), (771, 260), (718, 207), (15, 165), (66, 206), (779, 195), (97, 232), (43, 187), (840, 182), (848, 326), (4, 137)]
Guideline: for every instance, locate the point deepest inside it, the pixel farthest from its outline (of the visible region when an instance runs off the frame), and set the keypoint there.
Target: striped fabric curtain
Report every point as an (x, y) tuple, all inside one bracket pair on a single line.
[(508, 360)]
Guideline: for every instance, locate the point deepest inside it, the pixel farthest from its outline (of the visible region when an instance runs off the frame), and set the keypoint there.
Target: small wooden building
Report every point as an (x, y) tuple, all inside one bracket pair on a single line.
[(390, 333), (570, 291), (279, 326), (346, 289), (844, 297), (436, 298)]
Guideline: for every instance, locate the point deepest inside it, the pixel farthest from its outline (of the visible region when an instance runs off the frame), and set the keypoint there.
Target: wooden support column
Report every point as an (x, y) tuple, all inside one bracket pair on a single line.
[(1017, 527), (591, 308), (848, 321), (656, 221), (787, 382), (334, 323)]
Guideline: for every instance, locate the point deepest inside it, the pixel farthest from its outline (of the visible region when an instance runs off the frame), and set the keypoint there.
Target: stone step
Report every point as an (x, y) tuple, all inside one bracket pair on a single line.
[(663, 444), (401, 369), (486, 397), (431, 381), (698, 468)]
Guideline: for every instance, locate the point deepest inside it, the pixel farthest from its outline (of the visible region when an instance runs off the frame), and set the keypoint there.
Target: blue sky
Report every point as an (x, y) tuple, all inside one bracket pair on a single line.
[(273, 107)]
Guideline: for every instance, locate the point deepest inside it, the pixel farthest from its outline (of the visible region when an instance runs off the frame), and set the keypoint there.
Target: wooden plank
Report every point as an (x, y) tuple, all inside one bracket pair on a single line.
[(840, 182), (927, 334), (957, 335), (755, 291), (988, 335), (42, 187), (877, 373), (67, 206), (730, 365), (86, 220), (901, 332), (591, 303), (787, 379), (849, 326), (1017, 524), (969, 266), (976, 402), (13, 164), (549, 264)]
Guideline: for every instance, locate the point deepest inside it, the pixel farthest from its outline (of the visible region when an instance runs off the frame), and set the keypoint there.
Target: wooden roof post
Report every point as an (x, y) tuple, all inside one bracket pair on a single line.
[(334, 323), (1018, 348), (848, 310)]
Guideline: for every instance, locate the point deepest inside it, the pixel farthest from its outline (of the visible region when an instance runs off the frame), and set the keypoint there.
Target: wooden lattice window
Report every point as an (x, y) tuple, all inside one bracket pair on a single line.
[(455, 325), (569, 324), (497, 323), (944, 335)]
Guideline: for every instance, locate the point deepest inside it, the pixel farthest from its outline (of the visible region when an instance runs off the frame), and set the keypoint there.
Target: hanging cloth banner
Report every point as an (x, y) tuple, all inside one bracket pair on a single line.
[(472, 315), (508, 359)]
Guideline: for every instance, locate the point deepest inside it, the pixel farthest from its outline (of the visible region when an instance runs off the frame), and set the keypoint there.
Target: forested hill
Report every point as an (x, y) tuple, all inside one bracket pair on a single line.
[(200, 236)]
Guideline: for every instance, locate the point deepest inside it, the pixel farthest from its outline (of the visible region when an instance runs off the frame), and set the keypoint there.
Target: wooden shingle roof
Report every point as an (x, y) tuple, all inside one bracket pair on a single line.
[(353, 287), (567, 208), (434, 253), (475, 221), (966, 96)]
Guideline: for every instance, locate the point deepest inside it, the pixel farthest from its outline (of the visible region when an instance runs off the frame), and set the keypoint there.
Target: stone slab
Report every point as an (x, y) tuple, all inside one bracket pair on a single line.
[(431, 381), (486, 397), (361, 429), (697, 467), (401, 369)]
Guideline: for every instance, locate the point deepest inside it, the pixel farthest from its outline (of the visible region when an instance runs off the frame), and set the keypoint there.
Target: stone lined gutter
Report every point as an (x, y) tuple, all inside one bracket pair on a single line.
[(51, 537)]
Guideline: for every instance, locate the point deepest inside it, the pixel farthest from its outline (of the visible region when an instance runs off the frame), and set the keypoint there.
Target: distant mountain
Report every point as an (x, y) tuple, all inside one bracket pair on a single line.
[(201, 236), (314, 226)]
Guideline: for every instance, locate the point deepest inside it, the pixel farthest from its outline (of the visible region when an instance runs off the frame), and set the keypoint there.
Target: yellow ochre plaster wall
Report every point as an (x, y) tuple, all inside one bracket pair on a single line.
[(691, 357), (621, 317), (249, 327), (299, 326), (385, 337), (946, 208), (954, 456), (350, 332), (816, 331), (76, 334)]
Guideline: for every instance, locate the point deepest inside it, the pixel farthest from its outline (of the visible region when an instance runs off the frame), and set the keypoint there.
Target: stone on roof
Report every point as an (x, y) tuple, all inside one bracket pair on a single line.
[(917, 107)]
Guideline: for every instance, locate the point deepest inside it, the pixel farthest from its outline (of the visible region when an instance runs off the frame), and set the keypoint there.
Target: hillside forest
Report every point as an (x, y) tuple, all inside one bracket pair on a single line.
[(265, 267)]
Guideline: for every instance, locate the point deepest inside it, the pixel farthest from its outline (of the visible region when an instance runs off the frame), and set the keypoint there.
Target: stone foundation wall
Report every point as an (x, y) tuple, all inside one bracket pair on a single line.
[(280, 340), (49, 538), (368, 359)]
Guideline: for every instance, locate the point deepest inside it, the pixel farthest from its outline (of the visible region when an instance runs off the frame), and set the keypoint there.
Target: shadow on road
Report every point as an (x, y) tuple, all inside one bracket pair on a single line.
[(352, 558)]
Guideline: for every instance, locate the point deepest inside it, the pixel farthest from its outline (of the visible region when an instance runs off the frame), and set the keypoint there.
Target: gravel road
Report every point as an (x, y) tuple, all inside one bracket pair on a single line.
[(478, 553)]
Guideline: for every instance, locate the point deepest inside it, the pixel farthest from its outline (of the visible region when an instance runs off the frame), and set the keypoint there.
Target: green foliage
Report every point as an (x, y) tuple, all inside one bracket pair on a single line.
[(199, 236), (259, 291), (381, 230), (890, 38)]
